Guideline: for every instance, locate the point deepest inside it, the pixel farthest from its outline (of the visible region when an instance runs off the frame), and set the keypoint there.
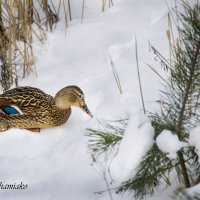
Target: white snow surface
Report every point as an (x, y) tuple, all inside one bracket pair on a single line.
[(55, 163), (169, 143), (194, 138), (137, 140)]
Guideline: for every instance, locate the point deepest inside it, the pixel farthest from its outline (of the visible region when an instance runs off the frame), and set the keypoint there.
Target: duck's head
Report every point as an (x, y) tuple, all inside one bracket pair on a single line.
[(71, 96)]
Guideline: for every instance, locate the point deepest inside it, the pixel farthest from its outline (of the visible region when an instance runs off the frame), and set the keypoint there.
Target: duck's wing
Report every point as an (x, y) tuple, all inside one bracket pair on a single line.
[(24, 121), (27, 99), (33, 120), (10, 110)]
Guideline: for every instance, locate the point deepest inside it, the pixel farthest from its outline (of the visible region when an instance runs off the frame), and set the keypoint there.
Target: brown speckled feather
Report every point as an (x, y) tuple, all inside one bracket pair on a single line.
[(26, 98), (39, 110)]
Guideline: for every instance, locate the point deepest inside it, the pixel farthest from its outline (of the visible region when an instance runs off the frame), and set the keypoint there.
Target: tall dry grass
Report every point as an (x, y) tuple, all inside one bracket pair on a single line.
[(115, 73), (106, 3), (21, 23)]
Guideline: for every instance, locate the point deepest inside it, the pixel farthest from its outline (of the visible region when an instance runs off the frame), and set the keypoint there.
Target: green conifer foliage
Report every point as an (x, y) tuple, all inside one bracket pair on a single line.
[(180, 112), (104, 142)]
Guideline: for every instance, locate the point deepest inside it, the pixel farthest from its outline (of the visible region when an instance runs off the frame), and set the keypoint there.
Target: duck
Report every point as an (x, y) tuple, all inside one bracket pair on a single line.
[(35, 110)]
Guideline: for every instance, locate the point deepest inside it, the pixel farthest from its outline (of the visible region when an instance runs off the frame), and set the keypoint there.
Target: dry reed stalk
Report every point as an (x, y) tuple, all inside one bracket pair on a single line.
[(82, 11), (66, 14), (29, 11), (103, 5), (138, 72), (59, 6), (161, 57), (107, 185), (171, 29), (170, 37), (69, 8), (110, 3), (4, 42), (115, 73), (16, 36), (54, 9), (9, 53), (45, 8), (156, 72), (67, 11), (175, 20)]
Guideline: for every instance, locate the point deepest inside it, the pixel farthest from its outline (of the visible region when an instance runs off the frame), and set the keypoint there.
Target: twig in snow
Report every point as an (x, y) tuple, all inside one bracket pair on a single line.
[(103, 5), (106, 181), (107, 185), (156, 72), (170, 37), (141, 93), (69, 7), (66, 18), (82, 12), (110, 3), (115, 72)]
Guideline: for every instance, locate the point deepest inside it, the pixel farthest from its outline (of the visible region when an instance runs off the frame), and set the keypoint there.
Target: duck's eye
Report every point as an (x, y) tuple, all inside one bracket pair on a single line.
[(80, 96)]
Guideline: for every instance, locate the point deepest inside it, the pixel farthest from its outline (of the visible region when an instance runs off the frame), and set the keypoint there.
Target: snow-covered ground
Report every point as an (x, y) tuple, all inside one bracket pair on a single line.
[(55, 163)]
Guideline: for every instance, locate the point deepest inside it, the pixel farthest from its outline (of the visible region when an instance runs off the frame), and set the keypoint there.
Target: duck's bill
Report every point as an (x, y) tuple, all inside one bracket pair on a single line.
[(85, 109)]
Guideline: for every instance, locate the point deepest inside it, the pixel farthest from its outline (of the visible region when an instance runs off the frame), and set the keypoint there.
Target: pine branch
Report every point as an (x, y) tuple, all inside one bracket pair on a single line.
[(179, 113), (183, 195), (150, 174), (193, 68), (105, 141), (194, 64)]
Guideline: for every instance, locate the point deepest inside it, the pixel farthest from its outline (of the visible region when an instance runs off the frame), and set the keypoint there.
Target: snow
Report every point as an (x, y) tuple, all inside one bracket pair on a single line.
[(169, 143), (137, 140), (194, 190), (55, 163), (194, 138)]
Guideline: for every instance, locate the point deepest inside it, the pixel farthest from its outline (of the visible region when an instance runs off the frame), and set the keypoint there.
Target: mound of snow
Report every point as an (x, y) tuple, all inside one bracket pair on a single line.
[(194, 138), (137, 140), (169, 143)]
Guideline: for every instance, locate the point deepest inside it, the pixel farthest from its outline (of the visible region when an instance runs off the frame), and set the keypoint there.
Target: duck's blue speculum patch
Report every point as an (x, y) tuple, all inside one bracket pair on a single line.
[(10, 111)]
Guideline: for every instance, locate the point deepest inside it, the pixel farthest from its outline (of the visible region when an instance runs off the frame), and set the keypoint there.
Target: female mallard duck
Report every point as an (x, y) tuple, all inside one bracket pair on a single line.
[(40, 110)]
